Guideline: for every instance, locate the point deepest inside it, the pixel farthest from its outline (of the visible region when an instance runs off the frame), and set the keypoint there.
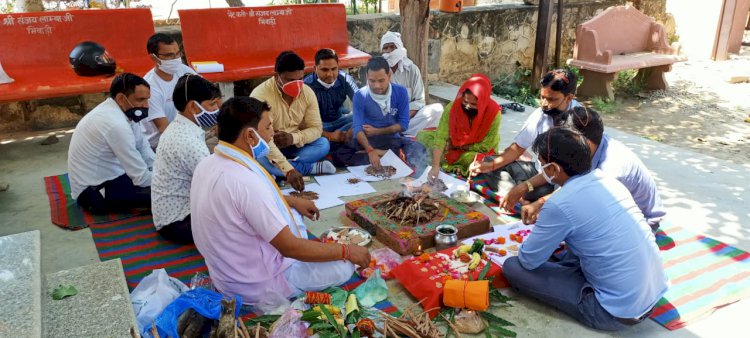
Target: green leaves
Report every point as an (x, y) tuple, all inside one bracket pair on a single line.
[(484, 271), (64, 291)]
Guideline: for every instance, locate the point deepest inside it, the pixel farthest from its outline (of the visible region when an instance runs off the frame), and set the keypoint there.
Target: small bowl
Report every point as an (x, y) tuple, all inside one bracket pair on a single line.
[(466, 197)]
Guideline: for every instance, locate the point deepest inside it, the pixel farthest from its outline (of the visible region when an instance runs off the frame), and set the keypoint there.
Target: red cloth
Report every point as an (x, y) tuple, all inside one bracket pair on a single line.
[(461, 131), (428, 286)]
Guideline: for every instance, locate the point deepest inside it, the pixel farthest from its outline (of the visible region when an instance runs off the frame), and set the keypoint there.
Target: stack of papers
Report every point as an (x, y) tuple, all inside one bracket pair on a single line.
[(391, 159)]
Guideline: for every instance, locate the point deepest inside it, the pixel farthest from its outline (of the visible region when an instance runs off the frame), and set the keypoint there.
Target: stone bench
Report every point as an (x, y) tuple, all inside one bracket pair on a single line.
[(20, 283), (618, 39)]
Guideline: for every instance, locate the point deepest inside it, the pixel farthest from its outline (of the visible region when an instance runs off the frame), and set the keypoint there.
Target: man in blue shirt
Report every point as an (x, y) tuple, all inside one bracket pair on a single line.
[(332, 86), (381, 114), (614, 159), (611, 276)]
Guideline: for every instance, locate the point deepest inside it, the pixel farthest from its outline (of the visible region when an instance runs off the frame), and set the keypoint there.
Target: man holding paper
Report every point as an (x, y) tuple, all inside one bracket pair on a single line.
[(168, 67), (381, 114)]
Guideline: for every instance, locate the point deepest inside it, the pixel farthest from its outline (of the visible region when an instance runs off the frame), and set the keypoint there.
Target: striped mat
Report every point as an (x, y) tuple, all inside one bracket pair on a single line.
[(705, 275), (66, 213), (135, 241)]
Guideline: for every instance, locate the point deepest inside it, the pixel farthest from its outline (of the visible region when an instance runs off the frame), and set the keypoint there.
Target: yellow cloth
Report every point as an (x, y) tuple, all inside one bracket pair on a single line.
[(301, 118), (465, 294)]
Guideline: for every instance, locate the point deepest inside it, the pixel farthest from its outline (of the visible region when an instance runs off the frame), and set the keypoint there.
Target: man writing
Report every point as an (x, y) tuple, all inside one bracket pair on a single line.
[(296, 119), (611, 276), (248, 233), (168, 67), (108, 151), (408, 75), (557, 96), (381, 113), (332, 87)]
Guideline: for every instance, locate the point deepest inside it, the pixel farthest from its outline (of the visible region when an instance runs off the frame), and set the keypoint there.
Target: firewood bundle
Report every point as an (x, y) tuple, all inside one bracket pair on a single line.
[(411, 210)]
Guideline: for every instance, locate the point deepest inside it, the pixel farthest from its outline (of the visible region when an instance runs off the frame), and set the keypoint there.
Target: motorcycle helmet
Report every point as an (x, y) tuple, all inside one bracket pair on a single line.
[(89, 58)]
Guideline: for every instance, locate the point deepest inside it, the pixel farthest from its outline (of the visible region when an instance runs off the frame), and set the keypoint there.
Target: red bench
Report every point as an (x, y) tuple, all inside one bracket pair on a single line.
[(34, 49), (246, 40)]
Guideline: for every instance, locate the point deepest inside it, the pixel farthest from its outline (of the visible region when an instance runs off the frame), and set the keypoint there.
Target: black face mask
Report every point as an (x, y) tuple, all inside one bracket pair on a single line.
[(470, 112), (554, 112), (137, 114)]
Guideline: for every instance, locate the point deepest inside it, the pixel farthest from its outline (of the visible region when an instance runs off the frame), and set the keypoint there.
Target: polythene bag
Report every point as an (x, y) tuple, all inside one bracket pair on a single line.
[(206, 302), (152, 295), (372, 291)]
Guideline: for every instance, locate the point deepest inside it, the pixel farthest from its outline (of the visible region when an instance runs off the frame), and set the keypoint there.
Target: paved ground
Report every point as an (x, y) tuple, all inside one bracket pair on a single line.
[(702, 193)]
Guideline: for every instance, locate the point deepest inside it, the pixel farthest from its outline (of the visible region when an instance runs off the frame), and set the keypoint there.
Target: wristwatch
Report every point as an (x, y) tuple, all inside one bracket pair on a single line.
[(528, 185)]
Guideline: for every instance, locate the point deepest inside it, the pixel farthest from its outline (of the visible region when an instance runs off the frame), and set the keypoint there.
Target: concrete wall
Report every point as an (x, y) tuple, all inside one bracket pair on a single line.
[(492, 39)]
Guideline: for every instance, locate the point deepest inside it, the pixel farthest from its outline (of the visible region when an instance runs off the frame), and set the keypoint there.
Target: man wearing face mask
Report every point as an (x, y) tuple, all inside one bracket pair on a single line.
[(296, 120), (505, 170), (108, 150), (251, 236), (168, 67), (407, 74), (332, 87), (181, 147), (611, 275)]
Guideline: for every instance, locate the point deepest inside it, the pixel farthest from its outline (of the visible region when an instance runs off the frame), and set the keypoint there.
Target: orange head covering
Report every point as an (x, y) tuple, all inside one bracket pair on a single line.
[(461, 131)]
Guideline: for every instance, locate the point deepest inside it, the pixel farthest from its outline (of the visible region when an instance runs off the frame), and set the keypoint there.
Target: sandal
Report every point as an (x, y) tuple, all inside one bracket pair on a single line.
[(515, 106)]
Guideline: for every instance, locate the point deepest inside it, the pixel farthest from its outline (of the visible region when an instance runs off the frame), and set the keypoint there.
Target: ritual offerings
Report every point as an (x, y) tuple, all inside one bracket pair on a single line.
[(385, 171), (308, 195), (405, 222)]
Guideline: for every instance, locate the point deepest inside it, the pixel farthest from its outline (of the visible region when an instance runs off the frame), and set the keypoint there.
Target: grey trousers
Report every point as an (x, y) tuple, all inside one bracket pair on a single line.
[(562, 285), (514, 173)]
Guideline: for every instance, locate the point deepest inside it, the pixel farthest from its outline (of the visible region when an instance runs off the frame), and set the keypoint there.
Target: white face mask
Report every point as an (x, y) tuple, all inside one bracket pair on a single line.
[(170, 67), (205, 118), (547, 178), (326, 85), (395, 56)]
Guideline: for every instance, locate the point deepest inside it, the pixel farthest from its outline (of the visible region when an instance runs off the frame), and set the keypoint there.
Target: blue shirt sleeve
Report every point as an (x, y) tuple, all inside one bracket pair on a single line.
[(550, 229), (402, 104), (358, 112)]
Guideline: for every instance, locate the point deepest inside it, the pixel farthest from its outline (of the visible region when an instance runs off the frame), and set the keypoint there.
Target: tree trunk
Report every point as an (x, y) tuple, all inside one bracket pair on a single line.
[(415, 24), (235, 3), (27, 6)]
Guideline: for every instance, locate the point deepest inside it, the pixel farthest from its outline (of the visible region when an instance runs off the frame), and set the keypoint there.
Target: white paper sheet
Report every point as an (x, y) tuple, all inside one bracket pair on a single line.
[(326, 197), (402, 169), (502, 230), (205, 68), (451, 182), (341, 187)]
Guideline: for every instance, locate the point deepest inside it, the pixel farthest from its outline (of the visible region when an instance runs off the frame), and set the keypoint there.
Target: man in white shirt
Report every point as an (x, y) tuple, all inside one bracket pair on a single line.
[(557, 93), (407, 74), (109, 151), (168, 67), (181, 147)]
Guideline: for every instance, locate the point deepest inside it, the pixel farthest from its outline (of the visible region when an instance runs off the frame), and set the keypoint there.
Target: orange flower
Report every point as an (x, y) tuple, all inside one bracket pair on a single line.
[(501, 240), (425, 257), (404, 235), (502, 252), (520, 239)]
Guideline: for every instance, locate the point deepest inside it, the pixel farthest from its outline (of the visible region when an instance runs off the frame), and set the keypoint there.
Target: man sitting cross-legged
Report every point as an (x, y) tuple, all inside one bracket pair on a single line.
[(611, 276), (381, 114), (296, 120), (254, 243)]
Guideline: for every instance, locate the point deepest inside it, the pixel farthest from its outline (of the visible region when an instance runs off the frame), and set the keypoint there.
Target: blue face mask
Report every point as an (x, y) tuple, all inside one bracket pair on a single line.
[(261, 149)]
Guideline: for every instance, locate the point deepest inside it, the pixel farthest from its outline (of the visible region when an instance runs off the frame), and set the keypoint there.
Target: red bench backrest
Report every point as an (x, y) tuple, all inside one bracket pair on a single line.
[(256, 35), (621, 29), (45, 39)]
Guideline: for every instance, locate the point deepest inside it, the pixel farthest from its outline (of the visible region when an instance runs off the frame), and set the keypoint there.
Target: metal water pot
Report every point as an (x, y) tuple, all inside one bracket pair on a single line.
[(446, 236)]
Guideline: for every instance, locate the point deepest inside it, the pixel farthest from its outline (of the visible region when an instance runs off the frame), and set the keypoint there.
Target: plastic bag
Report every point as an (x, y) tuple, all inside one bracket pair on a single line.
[(384, 259), (272, 303), (372, 291), (201, 280), (152, 295), (206, 302), (290, 324)]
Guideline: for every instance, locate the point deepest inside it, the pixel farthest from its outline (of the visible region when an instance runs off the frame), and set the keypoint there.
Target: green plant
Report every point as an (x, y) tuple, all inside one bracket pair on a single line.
[(628, 82), (604, 106), (516, 87), (6, 6)]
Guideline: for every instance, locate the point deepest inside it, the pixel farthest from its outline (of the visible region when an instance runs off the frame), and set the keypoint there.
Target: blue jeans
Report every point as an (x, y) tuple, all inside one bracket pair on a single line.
[(563, 286), (305, 157), (343, 123)]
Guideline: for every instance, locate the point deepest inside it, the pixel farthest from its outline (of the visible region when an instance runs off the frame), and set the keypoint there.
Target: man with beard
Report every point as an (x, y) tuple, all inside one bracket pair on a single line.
[(557, 93)]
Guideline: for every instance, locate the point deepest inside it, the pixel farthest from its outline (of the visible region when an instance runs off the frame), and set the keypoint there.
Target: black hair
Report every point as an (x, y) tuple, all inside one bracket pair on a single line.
[(585, 120), (560, 80), (566, 147), (152, 46), (288, 61), (378, 63), (125, 83), (237, 114), (193, 87), (325, 54)]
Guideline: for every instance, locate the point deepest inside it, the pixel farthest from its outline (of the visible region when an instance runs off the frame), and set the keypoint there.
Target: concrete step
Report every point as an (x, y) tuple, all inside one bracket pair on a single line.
[(20, 282), (100, 309)]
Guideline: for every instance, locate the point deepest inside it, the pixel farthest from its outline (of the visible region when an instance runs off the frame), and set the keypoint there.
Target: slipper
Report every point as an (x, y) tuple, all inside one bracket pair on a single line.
[(515, 106)]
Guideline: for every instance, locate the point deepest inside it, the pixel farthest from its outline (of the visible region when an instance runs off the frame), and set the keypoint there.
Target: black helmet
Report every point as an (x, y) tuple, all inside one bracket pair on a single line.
[(91, 59)]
